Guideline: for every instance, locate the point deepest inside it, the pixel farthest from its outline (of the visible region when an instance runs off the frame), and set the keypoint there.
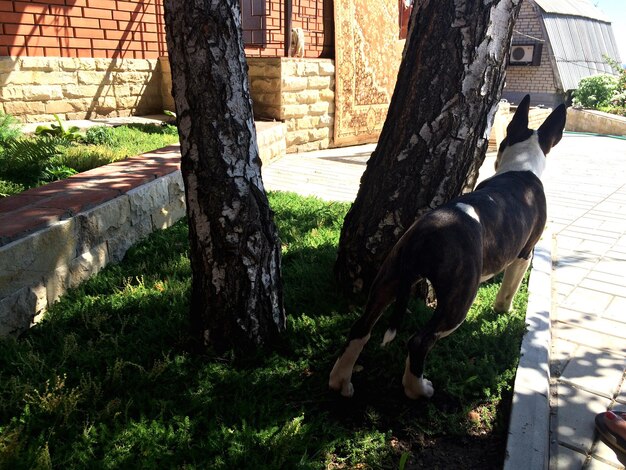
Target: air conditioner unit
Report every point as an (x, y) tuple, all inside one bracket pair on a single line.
[(522, 54)]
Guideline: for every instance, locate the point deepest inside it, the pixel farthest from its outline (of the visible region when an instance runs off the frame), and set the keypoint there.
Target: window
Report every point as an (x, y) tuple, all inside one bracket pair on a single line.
[(253, 22)]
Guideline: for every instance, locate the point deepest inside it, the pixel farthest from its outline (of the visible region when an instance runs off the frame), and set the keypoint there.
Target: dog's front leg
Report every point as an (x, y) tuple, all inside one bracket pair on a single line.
[(513, 276)]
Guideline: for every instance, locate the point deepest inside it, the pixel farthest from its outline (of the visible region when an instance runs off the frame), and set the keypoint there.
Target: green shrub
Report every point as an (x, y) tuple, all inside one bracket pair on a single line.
[(71, 134), (595, 91), (100, 135), (8, 188), (9, 128), (25, 161)]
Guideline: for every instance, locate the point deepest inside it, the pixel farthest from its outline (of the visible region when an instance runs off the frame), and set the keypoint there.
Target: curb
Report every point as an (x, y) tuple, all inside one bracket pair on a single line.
[(529, 424)]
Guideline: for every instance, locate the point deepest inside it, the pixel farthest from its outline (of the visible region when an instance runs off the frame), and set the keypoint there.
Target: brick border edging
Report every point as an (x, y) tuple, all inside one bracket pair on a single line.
[(59, 235), (528, 440)]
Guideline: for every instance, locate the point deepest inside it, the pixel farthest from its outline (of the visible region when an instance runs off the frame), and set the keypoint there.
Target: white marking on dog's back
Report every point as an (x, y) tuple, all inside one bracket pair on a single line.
[(523, 156), (469, 210)]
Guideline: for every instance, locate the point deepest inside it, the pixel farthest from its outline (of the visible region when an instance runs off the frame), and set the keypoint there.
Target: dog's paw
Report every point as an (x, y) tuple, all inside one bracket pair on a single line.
[(416, 387), (502, 306), (342, 386)]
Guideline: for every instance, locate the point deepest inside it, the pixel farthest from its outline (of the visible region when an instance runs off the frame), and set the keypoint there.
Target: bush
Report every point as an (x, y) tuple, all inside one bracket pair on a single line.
[(100, 135), (26, 161), (595, 91), (8, 188), (9, 128)]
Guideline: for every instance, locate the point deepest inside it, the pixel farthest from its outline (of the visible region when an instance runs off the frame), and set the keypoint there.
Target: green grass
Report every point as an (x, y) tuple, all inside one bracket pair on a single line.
[(105, 380)]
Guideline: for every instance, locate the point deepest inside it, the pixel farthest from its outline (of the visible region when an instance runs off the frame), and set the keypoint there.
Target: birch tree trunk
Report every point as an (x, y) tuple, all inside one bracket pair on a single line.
[(436, 133), (237, 298)]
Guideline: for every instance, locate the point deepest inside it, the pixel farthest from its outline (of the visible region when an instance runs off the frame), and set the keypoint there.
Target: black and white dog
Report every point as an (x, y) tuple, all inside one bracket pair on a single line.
[(459, 245)]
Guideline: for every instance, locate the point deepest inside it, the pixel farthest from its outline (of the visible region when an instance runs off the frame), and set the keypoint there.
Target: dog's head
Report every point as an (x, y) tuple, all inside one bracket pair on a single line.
[(524, 149)]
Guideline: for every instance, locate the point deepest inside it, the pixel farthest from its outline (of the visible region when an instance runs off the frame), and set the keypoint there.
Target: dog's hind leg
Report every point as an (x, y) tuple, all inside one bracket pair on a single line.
[(381, 294), (513, 276), (452, 307)]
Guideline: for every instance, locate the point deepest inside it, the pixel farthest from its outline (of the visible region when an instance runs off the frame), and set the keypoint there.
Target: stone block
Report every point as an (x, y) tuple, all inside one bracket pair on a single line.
[(289, 83), (319, 82), (11, 93), (311, 68), (327, 95), (297, 138), (76, 271), (319, 133), (43, 92), (17, 78), (60, 107), (18, 310), (92, 78), (308, 97), (265, 85), (8, 64), (27, 260), (326, 67), (17, 108), (321, 108), (307, 122), (79, 91), (52, 78), (144, 201), (69, 64), (102, 223), (294, 110), (44, 64)]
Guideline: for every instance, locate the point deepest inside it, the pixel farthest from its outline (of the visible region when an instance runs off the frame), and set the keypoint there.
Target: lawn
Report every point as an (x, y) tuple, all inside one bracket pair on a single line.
[(105, 381), (58, 152)]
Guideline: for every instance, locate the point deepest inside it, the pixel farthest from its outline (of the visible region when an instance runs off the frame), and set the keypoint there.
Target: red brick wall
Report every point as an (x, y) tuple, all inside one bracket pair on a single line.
[(315, 17), (82, 28), (134, 29)]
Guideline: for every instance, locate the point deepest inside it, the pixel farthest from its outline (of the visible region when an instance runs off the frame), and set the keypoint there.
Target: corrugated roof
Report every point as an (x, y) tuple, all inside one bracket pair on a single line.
[(580, 36), (582, 8), (579, 45)]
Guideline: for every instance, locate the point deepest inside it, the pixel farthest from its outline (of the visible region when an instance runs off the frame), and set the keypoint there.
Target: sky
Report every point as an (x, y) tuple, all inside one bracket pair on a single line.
[(616, 11)]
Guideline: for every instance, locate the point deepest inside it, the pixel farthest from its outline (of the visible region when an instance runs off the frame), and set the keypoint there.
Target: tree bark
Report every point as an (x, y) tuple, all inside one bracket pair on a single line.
[(237, 297), (436, 133)]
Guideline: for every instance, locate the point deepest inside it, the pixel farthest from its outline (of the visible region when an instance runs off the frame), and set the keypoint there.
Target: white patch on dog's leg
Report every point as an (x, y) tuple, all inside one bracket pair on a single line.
[(415, 387), (341, 375), (513, 276), (390, 334)]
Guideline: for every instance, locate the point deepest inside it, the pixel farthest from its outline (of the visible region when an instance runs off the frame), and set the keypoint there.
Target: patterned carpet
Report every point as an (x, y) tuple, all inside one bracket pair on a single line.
[(367, 56)]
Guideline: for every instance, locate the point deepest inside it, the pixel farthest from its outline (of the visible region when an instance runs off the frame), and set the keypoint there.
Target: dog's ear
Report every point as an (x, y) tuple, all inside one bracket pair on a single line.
[(551, 131), (517, 130)]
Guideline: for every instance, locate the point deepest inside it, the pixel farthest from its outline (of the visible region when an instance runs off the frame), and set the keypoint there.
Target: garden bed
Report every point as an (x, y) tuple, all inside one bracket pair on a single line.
[(57, 151)]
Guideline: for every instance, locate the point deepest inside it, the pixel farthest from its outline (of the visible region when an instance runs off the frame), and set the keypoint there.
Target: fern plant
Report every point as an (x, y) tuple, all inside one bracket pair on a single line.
[(9, 129), (25, 161)]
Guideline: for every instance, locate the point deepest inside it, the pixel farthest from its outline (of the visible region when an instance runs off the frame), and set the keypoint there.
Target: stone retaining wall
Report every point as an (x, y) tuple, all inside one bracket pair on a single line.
[(597, 122), (65, 232), (33, 89)]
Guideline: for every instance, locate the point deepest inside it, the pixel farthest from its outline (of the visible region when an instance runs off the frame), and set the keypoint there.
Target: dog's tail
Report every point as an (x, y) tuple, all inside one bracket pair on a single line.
[(402, 301)]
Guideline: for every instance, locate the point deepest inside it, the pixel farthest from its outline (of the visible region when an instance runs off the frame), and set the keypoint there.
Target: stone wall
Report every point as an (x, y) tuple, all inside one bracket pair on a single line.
[(298, 92), (33, 89), (37, 268), (597, 122)]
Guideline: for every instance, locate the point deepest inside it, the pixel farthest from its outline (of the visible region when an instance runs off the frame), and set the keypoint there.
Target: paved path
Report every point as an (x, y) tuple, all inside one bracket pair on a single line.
[(586, 189)]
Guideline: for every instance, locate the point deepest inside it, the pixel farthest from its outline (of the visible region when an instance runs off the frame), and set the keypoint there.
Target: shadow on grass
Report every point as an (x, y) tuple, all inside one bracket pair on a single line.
[(105, 380)]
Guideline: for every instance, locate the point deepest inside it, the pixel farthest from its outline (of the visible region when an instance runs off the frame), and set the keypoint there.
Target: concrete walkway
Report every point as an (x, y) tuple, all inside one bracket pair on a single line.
[(586, 189)]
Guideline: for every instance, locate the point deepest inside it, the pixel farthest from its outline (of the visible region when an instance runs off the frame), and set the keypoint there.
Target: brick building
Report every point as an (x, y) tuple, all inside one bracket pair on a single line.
[(555, 44)]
